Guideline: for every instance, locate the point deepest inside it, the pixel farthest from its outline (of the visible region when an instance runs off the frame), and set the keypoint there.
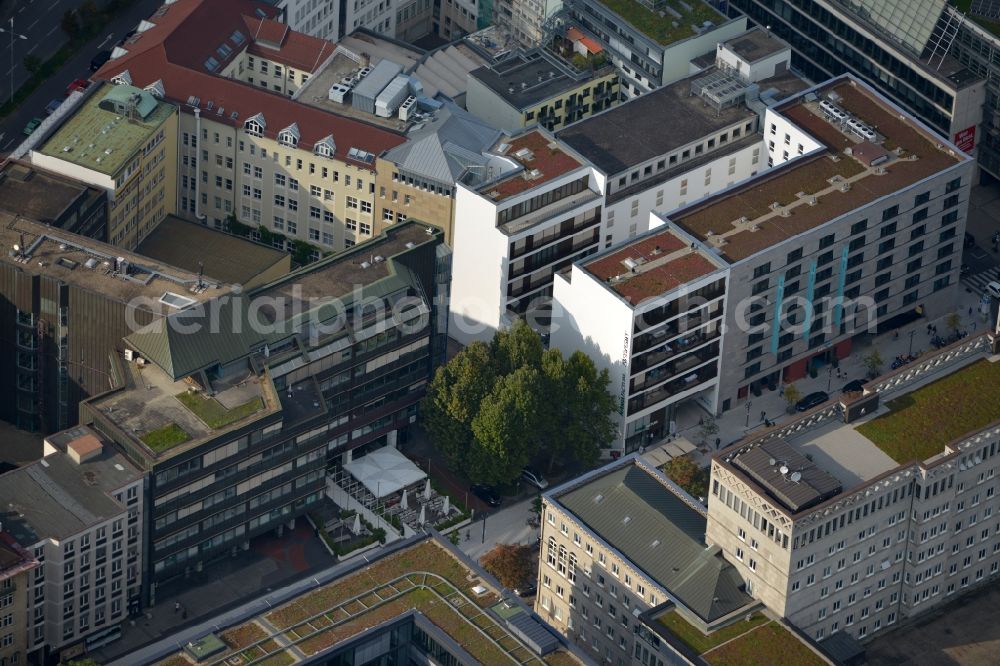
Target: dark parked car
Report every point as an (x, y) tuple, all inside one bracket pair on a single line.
[(528, 590), (99, 60), (854, 387), (811, 400), (970, 240), (488, 494)]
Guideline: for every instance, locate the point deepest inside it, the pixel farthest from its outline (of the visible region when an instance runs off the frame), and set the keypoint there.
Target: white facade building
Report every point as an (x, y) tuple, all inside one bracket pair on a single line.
[(513, 233), (651, 313)]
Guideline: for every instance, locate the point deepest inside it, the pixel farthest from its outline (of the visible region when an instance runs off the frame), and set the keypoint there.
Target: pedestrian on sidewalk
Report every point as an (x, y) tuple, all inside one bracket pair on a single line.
[(970, 310), (177, 606), (763, 415)]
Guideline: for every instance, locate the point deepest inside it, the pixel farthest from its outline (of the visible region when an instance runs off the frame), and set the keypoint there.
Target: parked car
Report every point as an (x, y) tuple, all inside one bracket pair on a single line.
[(488, 494), (528, 590), (854, 387), (535, 478), (99, 60), (51, 107), (811, 400), (32, 126), (970, 240), (993, 289), (78, 84)]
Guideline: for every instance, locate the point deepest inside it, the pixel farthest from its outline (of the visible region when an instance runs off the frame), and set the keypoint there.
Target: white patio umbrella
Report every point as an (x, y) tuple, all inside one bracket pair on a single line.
[(427, 491), (357, 524), (403, 503), (423, 514), (446, 506)]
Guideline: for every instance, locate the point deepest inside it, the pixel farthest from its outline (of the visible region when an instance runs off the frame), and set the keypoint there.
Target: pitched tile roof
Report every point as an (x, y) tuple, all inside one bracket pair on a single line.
[(274, 41), (176, 51)]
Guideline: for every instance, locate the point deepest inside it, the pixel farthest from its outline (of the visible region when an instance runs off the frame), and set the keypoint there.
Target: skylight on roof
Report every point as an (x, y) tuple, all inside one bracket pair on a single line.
[(211, 64), (361, 155), (176, 301), (260, 13), (237, 37), (224, 50)]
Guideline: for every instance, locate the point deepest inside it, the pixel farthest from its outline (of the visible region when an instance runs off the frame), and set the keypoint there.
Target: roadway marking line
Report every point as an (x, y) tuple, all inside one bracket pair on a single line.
[(106, 39), (33, 47), (7, 144), (33, 24), (54, 28)]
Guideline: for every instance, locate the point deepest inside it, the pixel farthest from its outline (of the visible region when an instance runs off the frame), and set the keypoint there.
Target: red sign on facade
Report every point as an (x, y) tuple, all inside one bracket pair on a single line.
[(966, 139)]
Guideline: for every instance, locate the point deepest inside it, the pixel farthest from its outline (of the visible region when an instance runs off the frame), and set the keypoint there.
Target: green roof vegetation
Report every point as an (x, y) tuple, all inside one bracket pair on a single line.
[(921, 422), (665, 29), (964, 6), (767, 645), (424, 577), (693, 638), (165, 438), (103, 140), (214, 413)]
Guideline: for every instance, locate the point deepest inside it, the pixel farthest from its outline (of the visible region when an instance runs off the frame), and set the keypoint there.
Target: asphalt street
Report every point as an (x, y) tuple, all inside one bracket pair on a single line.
[(39, 20)]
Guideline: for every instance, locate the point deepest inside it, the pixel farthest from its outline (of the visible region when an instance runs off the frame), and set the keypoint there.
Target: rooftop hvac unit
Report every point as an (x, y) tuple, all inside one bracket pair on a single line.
[(339, 93), (407, 108)]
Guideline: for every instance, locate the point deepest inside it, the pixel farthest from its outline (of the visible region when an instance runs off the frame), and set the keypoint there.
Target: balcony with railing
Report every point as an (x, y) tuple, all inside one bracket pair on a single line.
[(690, 321), (670, 389), (535, 242), (668, 371), (547, 212), (673, 347), (555, 252), (685, 302)]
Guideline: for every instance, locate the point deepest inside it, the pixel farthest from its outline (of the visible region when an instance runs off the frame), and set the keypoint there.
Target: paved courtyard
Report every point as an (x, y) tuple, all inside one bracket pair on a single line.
[(962, 633), (270, 563)]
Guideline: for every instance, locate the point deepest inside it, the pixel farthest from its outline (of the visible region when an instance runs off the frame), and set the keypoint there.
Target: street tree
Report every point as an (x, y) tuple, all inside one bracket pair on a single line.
[(578, 416), (685, 473), (708, 429), (792, 396), (516, 347), (953, 321), (499, 406), (511, 563), (453, 400), (506, 428), (70, 24), (32, 63), (873, 363)]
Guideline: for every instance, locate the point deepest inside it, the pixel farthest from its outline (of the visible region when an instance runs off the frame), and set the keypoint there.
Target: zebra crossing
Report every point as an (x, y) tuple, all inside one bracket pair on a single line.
[(978, 282)]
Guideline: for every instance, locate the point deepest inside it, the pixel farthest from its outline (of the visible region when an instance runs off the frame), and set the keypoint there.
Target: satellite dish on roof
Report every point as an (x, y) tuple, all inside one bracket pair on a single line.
[(783, 469), (772, 462), (796, 477)]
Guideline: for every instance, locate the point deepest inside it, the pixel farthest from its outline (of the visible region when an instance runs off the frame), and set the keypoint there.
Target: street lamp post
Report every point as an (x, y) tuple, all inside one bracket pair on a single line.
[(749, 403), (12, 36), (910, 352), (829, 378)]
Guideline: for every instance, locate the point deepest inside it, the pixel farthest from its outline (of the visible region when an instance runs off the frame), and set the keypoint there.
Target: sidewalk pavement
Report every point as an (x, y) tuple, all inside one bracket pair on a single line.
[(738, 422)]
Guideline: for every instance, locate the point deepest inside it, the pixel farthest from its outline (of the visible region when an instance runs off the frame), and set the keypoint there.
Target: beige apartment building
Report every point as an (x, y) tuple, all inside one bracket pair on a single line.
[(123, 140), (246, 151), (16, 565), (833, 533), (622, 540)]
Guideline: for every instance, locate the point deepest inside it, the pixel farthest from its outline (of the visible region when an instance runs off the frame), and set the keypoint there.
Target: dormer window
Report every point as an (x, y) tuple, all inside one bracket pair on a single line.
[(124, 78), (254, 126), (326, 147), (289, 136)]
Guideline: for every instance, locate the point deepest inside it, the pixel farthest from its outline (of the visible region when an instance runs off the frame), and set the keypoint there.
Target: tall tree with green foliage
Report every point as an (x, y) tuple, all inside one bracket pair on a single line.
[(453, 400), (506, 427), (579, 422), (495, 408)]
